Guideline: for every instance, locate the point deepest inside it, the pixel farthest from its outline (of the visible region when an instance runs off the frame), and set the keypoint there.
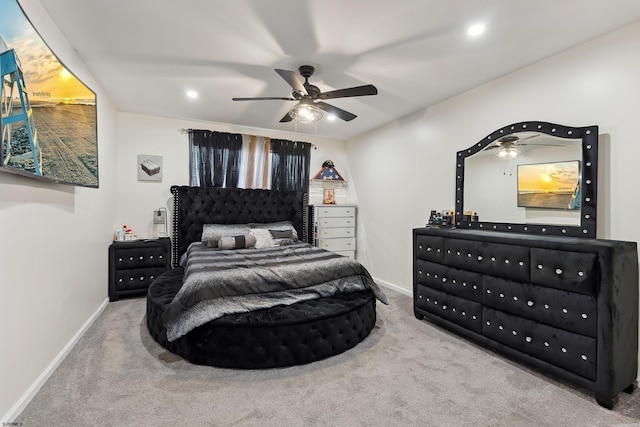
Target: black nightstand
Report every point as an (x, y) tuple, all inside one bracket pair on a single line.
[(133, 265)]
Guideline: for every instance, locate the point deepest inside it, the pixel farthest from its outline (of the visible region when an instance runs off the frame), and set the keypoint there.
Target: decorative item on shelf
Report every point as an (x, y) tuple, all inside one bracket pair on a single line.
[(124, 234), (440, 219), (329, 197), (470, 216), (329, 173)]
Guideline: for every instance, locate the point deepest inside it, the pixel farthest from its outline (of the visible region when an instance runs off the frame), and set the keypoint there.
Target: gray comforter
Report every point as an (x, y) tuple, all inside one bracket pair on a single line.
[(222, 282)]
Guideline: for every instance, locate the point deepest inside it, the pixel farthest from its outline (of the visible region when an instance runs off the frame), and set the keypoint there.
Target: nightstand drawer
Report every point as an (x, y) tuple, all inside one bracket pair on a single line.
[(136, 278), (324, 233), (341, 244), (335, 211), (140, 257)]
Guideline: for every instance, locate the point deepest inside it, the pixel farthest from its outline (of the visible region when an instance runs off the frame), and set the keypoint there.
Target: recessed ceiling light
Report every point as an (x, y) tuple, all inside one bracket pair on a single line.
[(475, 30), (192, 94)]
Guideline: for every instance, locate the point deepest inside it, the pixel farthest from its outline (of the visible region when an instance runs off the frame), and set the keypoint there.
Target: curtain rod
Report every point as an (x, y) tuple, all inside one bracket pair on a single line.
[(184, 130)]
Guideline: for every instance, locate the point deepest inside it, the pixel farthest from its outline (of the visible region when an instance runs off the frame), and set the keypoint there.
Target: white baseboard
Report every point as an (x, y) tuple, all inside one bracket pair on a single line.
[(22, 403), (394, 287)]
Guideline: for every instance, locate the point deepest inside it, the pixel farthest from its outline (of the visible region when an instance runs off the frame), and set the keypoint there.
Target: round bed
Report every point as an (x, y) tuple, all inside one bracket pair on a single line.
[(275, 337)]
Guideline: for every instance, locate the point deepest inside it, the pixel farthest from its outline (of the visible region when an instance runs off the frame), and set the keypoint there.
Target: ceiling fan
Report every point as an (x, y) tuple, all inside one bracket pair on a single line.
[(310, 98), (508, 145)]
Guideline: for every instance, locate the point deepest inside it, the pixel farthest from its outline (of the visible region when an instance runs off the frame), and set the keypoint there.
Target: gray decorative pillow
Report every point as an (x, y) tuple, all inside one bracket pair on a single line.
[(245, 241), (281, 234), (283, 242), (212, 233)]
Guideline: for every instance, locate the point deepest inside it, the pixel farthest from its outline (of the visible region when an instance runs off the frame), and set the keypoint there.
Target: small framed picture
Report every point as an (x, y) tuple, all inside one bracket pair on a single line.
[(149, 167), (329, 198)]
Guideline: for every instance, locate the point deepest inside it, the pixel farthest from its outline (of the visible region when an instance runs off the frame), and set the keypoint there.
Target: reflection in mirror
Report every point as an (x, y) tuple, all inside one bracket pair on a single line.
[(491, 180)]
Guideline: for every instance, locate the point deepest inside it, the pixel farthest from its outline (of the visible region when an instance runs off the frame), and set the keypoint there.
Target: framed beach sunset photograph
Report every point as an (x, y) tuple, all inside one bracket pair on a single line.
[(549, 185), (49, 123)]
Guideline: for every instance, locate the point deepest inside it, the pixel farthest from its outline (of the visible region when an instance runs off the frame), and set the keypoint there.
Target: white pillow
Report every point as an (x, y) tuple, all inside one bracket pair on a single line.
[(264, 239)]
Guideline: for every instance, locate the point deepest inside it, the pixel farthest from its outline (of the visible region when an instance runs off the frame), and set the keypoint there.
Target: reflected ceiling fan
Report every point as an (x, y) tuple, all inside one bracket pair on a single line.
[(310, 98), (509, 144)]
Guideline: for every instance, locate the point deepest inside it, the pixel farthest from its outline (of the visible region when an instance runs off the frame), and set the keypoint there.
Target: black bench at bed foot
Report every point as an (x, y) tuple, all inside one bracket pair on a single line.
[(606, 402), (418, 316), (631, 388)]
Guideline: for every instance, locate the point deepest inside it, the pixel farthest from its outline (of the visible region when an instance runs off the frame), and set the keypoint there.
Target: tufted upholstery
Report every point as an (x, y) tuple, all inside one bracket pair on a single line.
[(195, 206), (275, 337), (567, 305), (133, 265)]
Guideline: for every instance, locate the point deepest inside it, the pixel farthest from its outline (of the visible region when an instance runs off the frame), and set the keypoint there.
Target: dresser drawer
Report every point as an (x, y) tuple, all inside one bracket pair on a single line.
[(341, 244), (336, 211), (573, 352), (336, 222), (336, 232)]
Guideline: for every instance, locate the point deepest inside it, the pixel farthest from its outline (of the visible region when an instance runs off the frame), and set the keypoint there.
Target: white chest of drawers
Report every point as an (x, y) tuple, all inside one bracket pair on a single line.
[(335, 229)]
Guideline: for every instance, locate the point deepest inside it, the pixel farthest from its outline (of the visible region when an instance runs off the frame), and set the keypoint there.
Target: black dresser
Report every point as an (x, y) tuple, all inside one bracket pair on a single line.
[(568, 306), (133, 265)]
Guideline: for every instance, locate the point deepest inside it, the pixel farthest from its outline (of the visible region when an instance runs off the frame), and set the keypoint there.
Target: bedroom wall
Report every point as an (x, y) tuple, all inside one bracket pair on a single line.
[(593, 84), (141, 134), (53, 251)]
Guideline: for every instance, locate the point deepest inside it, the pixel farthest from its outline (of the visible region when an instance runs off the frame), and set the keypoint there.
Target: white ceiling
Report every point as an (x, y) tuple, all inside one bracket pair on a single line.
[(147, 53)]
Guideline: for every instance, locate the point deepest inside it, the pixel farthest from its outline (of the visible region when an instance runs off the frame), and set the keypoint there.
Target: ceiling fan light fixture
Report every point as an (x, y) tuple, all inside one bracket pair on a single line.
[(508, 153), (305, 112)]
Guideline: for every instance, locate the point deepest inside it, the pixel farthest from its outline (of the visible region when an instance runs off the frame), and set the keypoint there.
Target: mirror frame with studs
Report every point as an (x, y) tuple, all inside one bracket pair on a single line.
[(589, 183)]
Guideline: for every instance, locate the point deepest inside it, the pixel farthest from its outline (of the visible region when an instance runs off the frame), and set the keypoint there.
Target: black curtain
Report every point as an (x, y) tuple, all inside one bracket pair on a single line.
[(215, 158), (290, 164)]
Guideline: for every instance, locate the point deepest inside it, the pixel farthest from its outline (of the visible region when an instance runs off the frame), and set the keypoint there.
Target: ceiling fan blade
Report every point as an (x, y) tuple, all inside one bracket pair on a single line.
[(352, 91), (287, 118), (293, 80), (344, 115), (264, 98)]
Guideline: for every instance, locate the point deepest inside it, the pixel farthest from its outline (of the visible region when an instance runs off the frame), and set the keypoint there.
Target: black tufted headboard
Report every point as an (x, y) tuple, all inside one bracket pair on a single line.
[(195, 206)]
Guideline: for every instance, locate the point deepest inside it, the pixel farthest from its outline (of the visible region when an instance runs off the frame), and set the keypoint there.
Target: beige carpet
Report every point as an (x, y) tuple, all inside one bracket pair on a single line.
[(406, 373)]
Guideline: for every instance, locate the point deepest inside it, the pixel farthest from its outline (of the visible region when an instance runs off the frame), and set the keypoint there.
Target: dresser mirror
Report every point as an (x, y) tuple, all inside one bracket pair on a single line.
[(530, 177)]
